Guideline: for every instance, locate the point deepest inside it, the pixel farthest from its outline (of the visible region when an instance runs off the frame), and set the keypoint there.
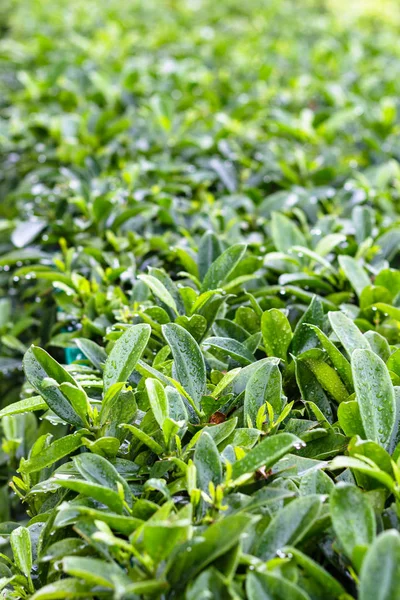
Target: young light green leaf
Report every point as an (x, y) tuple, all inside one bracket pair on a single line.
[(110, 400), (344, 462), (225, 382)]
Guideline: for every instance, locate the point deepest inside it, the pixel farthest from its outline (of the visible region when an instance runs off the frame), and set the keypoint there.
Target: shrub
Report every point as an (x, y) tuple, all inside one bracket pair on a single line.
[(199, 300)]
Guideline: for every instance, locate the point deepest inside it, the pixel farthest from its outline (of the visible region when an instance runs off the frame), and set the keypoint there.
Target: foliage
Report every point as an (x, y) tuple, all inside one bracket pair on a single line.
[(199, 300)]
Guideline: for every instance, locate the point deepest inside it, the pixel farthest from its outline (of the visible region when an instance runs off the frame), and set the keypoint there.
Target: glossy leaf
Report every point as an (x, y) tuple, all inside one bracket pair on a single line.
[(188, 359), (379, 578), (125, 354), (222, 267), (277, 333), (289, 526), (265, 454), (39, 365), (353, 519), (375, 395)]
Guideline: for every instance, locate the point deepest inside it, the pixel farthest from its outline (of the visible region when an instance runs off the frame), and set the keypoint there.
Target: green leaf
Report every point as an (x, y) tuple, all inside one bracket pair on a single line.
[(340, 363), (215, 541), (349, 462), (355, 273), (144, 438), (208, 462), (70, 514), (378, 344), (158, 400), (277, 333), (159, 290), (93, 352), (100, 493), (348, 333), (56, 451), (38, 366), (65, 588), (304, 338), (375, 395), (288, 527), (161, 537), (99, 470), (78, 399), (388, 309), (380, 573), (349, 417), (266, 454), (232, 348), (225, 382), (285, 234), (110, 402), (329, 587), (222, 267), (327, 377), (265, 385), (311, 390), (209, 250), (23, 406), (219, 432), (125, 354), (268, 586), (188, 360), (315, 482), (95, 571), (21, 546), (353, 519)]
